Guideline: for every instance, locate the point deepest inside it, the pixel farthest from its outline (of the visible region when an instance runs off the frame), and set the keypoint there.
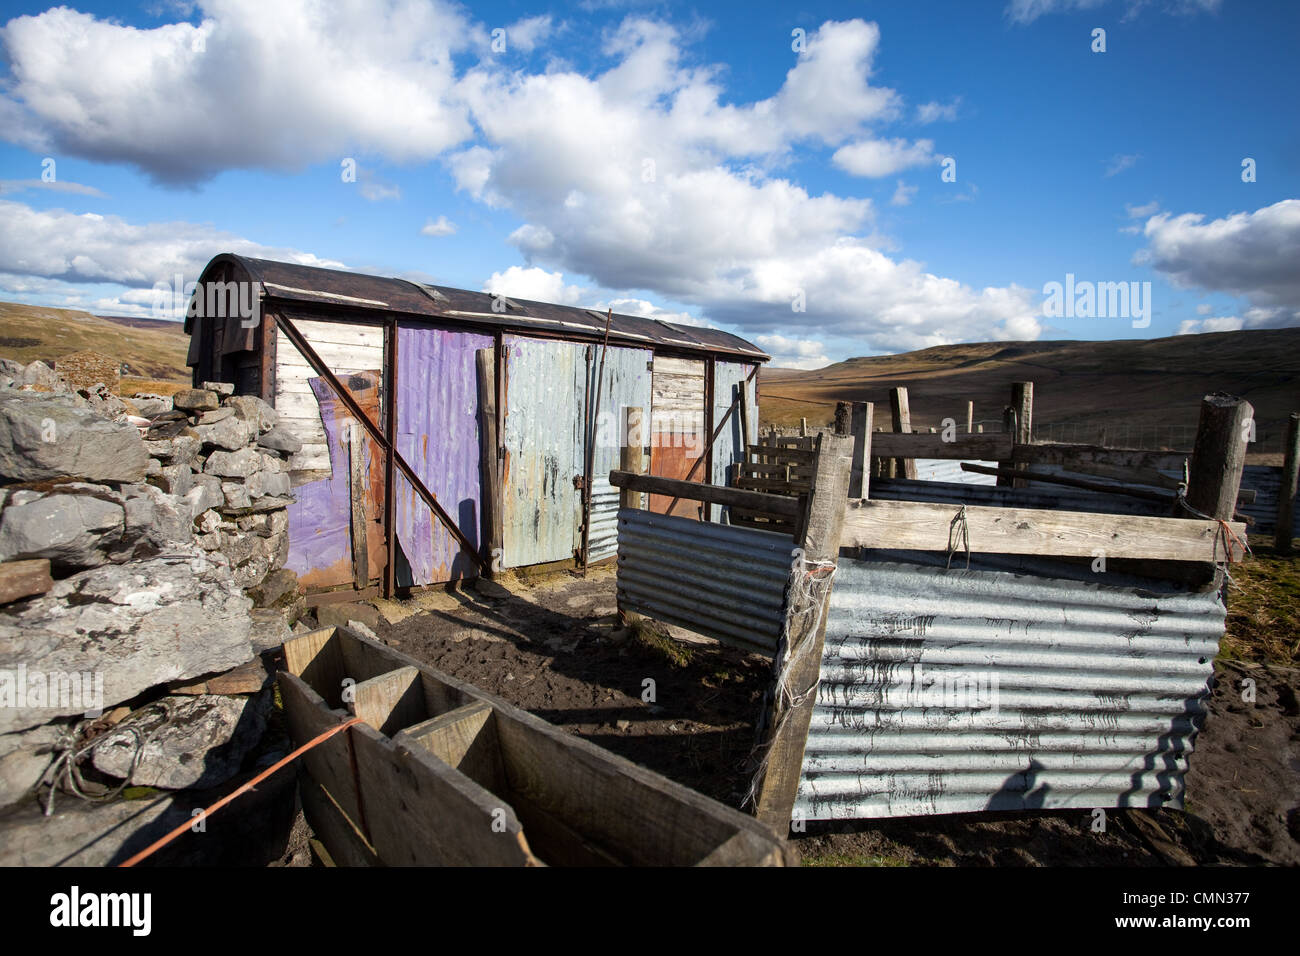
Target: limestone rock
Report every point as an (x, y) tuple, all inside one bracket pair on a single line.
[(131, 626), (280, 439), (189, 741), (221, 388), (50, 436), (252, 409), (195, 400), (229, 433), (233, 464), (73, 530)]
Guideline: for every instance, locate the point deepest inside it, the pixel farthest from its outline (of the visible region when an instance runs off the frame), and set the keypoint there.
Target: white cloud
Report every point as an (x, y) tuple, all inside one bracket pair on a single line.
[(1120, 162), (793, 353), (1141, 212), (271, 85), (539, 285), (375, 191), (442, 226), (642, 307), (1223, 323), (903, 194), (526, 34), (1204, 309), (1026, 11), (933, 111), (876, 158), (9, 187), (1251, 254), (90, 248)]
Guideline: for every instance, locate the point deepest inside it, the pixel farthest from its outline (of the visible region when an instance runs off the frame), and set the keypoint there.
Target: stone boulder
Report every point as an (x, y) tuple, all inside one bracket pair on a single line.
[(52, 436), (188, 741), (124, 628), (280, 439), (254, 411), (76, 526)]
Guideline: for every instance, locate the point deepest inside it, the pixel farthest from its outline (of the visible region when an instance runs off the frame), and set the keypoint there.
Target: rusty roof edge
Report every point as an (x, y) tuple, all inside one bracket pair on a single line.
[(406, 297)]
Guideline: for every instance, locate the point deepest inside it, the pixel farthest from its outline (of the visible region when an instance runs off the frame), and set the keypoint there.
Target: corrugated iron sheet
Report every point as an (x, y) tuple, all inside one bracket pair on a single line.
[(1267, 482), (626, 384), (438, 435), (729, 450), (722, 581), (946, 691), (542, 435), (1066, 499)]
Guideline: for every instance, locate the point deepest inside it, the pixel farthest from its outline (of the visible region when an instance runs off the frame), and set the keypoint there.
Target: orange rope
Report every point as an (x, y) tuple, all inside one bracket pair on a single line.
[(1228, 538), (320, 739)]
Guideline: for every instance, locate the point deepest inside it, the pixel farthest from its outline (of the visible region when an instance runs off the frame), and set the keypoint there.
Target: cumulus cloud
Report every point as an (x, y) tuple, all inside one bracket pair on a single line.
[(533, 283), (183, 102), (527, 34), (1222, 323), (793, 353), (876, 158), (442, 226), (1251, 254), (87, 247)]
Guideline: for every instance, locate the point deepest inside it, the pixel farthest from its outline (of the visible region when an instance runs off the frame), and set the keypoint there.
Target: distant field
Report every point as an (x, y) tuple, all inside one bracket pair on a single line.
[(153, 349), (1154, 383)]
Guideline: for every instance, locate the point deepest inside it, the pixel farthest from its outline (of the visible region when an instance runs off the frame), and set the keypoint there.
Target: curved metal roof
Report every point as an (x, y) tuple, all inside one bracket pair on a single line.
[(286, 282)]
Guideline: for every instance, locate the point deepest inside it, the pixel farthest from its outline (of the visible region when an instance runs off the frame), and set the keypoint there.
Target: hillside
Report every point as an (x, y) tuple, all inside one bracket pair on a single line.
[(151, 348), (1154, 383)]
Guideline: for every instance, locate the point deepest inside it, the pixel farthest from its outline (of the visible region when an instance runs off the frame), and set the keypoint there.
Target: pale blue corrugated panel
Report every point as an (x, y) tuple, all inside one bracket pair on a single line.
[(1060, 692), (950, 470), (1001, 496), (542, 437), (729, 449), (718, 580), (626, 385), (1267, 482)]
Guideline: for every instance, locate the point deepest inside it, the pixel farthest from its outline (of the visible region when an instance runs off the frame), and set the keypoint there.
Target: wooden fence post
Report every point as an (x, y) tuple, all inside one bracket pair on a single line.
[(860, 473), (799, 658), (489, 465), (1022, 400), (904, 467), (359, 520), (631, 454), (803, 428), (1219, 455), (1286, 494), (970, 416)]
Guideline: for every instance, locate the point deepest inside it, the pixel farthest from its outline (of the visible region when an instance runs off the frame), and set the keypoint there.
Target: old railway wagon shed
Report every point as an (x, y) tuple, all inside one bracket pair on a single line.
[(483, 416)]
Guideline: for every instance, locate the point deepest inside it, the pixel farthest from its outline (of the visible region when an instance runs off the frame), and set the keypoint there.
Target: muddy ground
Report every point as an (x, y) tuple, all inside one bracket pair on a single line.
[(551, 645)]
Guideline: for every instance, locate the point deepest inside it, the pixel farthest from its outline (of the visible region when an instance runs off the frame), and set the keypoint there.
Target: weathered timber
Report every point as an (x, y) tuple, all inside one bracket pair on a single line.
[(357, 506), (860, 428), (714, 494), (797, 665), (1225, 425), (962, 447), (923, 526), (489, 463), (902, 420), (1286, 494), (632, 454)]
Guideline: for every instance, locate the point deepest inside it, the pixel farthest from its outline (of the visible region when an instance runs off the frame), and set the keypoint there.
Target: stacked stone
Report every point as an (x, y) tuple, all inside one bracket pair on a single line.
[(225, 455)]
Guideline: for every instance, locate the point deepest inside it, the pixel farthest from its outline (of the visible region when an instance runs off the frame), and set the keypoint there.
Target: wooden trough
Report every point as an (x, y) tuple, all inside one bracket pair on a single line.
[(441, 773)]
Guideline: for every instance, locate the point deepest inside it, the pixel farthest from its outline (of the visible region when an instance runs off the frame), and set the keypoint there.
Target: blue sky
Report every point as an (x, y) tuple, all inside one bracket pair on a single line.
[(772, 169)]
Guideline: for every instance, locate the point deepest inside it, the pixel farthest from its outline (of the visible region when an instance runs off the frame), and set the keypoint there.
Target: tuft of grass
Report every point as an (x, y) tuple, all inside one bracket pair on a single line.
[(1264, 608), (653, 638)]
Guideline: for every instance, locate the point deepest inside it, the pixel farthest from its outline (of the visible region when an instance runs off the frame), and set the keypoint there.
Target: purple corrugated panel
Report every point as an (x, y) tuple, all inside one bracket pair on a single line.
[(438, 435), (320, 546)]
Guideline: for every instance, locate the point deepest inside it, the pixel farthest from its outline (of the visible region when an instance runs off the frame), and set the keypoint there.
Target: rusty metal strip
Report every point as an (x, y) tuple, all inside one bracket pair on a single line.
[(430, 499)]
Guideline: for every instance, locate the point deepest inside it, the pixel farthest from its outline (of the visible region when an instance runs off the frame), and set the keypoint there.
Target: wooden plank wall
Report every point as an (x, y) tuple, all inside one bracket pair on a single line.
[(344, 347)]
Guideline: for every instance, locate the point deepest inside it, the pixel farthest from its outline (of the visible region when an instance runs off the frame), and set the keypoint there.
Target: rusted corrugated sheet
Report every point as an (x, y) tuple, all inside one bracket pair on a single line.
[(729, 450), (626, 383), (677, 438), (719, 580), (320, 519), (438, 435), (543, 442), (946, 691)]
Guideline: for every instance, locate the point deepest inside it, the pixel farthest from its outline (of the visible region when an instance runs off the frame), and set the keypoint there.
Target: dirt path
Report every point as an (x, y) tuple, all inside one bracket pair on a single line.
[(551, 646)]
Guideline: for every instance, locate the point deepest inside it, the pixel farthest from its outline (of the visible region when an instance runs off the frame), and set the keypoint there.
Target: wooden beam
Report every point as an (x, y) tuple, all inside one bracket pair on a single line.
[(464, 738), (1076, 455), (391, 701), (962, 447), (1025, 477), (1219, 454), (923, 526), (789, 705), (860, 427), (489, 466), (902, 416), (632, 454), (1022, 400), (970, 417), (778, 505), (20, 579), (1286, 495), (357, 506)]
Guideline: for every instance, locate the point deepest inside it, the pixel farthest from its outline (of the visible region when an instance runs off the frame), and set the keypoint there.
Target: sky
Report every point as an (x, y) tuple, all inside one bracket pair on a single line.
[(824, 179)]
